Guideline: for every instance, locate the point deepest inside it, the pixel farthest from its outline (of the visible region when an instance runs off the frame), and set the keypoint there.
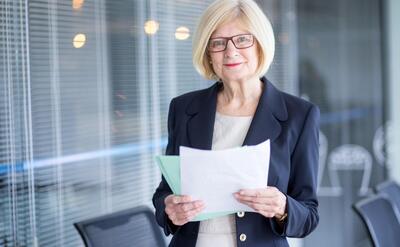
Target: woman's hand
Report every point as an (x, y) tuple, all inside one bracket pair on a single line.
[(269, 202), (181, 209)]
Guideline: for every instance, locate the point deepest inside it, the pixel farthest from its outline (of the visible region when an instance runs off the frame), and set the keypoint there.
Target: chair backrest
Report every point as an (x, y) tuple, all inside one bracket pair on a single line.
[(391, 189), (131, 227), (381, 219)]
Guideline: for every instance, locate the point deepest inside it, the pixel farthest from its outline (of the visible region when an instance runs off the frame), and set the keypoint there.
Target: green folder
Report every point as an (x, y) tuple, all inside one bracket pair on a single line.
[(170, 168)]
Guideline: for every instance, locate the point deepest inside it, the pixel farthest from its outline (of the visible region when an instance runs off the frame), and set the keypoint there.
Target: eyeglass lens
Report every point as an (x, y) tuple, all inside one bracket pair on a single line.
[(241, 41)]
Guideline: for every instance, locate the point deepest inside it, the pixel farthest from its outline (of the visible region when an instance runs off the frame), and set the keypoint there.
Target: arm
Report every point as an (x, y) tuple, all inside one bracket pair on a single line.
[(302, 203), (173, 211), (163, 189)]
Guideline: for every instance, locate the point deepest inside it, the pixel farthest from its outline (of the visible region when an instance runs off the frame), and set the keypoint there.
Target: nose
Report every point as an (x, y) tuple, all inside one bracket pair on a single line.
[(230, 50)]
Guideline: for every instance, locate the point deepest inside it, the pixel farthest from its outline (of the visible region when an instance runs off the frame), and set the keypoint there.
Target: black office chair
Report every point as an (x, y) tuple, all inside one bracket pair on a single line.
[(131, 227), (392, 190), (382, 220)]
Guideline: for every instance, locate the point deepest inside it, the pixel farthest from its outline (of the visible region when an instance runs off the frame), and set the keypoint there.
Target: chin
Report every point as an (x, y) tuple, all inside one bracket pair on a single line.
[(236, 76)]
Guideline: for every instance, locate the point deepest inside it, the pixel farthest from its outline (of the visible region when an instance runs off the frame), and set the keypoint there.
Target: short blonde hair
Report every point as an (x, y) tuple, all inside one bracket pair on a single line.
[(223, 11)]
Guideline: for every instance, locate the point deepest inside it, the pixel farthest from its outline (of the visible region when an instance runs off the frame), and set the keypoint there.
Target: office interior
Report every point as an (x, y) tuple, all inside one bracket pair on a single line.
[(85, 87)]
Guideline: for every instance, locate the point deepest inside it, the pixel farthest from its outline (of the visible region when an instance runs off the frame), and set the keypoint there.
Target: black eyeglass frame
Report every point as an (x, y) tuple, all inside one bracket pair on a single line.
[(233, 42)]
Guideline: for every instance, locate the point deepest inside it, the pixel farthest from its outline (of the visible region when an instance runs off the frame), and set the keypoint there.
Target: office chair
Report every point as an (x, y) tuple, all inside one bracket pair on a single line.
[(131, 227), (381, 219), (392, 190)]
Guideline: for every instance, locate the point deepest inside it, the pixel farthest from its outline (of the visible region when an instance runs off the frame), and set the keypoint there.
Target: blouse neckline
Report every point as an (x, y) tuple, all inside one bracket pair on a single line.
[(230, 116)]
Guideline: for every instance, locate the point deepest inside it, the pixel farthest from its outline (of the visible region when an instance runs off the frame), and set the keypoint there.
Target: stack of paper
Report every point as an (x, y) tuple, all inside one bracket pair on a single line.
[(213, 176), (170, 168)]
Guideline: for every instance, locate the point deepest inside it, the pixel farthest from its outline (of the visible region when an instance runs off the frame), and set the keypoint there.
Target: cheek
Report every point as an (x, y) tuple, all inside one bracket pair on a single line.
[(215, 57), (253, 57), (255, 61), (216, 62)]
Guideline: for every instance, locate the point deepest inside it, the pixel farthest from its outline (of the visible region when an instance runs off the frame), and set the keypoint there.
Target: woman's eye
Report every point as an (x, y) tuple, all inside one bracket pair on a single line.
[(218, 43), (241, 39)]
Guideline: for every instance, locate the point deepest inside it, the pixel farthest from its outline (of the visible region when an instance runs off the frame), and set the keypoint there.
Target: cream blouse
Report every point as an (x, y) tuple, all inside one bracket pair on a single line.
[(229, 132)]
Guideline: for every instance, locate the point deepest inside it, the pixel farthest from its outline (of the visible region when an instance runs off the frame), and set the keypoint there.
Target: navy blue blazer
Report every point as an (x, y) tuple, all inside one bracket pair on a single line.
[(292, 125)]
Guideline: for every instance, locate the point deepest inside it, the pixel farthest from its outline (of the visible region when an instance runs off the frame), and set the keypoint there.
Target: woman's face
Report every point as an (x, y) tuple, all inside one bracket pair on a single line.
[(234, 64)]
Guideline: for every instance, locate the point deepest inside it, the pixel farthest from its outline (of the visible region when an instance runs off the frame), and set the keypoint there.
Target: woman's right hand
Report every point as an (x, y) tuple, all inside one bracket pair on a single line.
[(181, 209)]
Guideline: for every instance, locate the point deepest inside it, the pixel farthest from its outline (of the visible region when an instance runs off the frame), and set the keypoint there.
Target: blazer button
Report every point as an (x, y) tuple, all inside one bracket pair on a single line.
[(240, 214), (242, 237)]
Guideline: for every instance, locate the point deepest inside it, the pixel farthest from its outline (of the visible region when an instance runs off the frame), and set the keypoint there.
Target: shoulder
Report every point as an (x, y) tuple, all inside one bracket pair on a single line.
[(187, 98), (194, 99), (294, 102), (285, 106), (300, 109)]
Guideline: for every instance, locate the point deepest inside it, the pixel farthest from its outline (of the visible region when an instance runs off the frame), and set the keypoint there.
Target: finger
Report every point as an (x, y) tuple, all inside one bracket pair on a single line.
[(169, 210), (272, 188), (261, 206), (197, 211), (267, 210), (175, 213), (183, 218), (254, 205), (171, 215), (186, 216), (248, 198), (267, 214), (199, 206), (168, 199), (263, 200), (181, 199), (185, 207), (255, 192), (177, 219), (196, 207), (173, 199)]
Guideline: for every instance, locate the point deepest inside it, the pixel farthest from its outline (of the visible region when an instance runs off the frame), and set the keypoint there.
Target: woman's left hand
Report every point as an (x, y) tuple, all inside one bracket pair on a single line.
[(269, 201)]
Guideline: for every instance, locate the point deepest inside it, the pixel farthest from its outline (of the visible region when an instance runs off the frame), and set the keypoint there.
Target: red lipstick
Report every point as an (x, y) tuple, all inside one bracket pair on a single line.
[(232, 64)]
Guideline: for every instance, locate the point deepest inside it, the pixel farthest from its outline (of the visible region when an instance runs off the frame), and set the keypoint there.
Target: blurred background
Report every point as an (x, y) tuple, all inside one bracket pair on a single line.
[(85, 87)]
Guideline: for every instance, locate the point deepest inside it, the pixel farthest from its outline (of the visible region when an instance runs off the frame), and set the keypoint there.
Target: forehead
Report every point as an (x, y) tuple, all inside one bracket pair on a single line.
[(230, 28)]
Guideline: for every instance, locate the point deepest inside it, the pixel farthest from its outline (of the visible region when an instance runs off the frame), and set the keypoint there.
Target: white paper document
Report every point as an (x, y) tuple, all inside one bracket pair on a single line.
[(213, 176)]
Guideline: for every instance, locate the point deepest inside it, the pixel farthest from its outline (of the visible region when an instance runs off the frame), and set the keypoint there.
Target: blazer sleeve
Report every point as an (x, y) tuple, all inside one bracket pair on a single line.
[(302, 203), (163, 189)]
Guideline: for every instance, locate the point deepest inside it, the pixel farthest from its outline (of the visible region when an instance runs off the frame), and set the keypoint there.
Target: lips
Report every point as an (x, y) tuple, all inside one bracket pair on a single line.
[(232, 64)]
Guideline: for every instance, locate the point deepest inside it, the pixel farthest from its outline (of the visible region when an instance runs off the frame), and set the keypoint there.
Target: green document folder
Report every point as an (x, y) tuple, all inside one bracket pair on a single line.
[(170, 168)]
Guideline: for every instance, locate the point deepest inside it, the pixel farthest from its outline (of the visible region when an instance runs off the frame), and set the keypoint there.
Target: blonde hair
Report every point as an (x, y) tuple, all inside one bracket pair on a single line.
[(219, 13)]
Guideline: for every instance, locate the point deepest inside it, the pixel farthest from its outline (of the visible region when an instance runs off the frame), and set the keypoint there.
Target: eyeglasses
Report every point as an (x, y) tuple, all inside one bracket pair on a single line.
[(241, 41)]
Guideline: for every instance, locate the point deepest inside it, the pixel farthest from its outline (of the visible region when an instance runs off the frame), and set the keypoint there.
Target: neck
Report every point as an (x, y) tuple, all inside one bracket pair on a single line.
[(242, 92)]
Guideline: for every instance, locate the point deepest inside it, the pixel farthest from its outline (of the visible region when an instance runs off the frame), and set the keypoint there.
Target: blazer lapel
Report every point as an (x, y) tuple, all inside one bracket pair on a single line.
[(201, 111), (265, 124), (270, 110)]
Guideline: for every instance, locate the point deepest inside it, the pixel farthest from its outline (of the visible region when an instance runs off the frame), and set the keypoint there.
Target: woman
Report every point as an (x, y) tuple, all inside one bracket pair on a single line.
[(234, 43)]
